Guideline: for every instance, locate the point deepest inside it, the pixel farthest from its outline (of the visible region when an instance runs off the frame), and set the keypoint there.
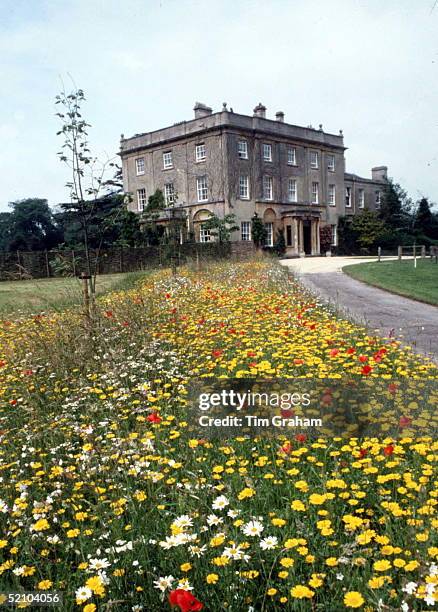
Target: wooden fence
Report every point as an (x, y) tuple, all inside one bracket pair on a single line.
[(20, 265)]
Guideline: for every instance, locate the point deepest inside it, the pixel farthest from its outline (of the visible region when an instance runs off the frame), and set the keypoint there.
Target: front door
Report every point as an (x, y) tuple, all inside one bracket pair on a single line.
[(307, 237)]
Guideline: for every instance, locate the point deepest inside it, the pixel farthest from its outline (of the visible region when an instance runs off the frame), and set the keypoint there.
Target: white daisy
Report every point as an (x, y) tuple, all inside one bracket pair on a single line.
[(163, 583), (220, 503), (83, 593), (252, 528), (269, 543)]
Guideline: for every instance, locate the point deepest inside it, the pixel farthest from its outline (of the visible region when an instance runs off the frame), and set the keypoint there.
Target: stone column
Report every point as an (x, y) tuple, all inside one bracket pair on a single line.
[(318, 246), (295, 235), (301, 237)]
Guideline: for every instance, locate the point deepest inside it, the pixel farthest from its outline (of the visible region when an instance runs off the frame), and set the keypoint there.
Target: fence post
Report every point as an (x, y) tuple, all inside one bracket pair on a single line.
[(46, 255), (379, 253), (399, 253), (19, 265), (121, 259), (423, 251)]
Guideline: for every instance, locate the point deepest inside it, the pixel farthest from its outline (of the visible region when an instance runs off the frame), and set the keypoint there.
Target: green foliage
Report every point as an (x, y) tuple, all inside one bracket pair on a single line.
[(258, 231), (395, 208), (325, 238), (361, 233), (425, 222), (31, 226), (156, 202), (221, 228), (280, 243)]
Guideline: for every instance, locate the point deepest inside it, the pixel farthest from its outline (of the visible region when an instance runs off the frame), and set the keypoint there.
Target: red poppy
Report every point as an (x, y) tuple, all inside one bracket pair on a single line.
[(392, 388), (286, 448), (154, 418), (13, 402), (366, 370), (2, 363), (298, 361), (286, 414), (363, 452), (327, 398), (125, 324), (217, 353), (301, 437), (388, 450), (185, 601), (405, 421), (167, 296), (108, 314), (253, 364), (334, 352), (363, 358), (251, 354), (351, 351)]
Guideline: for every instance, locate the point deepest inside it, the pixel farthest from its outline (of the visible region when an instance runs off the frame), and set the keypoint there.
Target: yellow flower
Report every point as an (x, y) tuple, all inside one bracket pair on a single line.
[(3, 543), (331, 561), (245, 493), (271, 592), (286, 562), (212, 578), (185, 567), (382, 565), (41, 525), (301, 592), (96, 585), (89, 608), (298, 505), (44, 584), (353, 599), (316, 499)]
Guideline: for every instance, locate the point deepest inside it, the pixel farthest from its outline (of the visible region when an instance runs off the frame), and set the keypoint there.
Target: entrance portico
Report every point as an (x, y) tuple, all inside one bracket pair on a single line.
[(301, 233)]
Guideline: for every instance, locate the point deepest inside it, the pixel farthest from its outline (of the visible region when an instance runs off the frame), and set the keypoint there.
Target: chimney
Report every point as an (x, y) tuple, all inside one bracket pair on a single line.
[(201, 110), (280, 116), (379, 173), (260, 111)]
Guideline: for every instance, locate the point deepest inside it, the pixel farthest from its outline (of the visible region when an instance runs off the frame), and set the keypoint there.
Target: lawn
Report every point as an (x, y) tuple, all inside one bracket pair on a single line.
[(401, 277), (107, 495), (33, 296)]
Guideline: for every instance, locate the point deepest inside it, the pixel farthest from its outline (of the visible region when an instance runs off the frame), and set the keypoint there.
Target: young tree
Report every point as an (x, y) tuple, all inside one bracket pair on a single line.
[(221, 228), (88, 175), (369, 229), (258, 231)]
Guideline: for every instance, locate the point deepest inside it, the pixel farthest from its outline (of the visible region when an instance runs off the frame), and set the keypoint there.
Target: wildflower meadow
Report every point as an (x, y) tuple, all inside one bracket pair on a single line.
[(108, 498)]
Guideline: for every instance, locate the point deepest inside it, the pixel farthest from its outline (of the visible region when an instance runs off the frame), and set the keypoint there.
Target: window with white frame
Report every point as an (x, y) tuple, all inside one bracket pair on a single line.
[(204, 234), (292, 190), (348, 197), (315, 193), (200, 154), (378, 199), (141, 199), (139, 165), (269, 234), (169, 193), (167, 160), (202, 188), (314, 159), (361, 198), (332, 195), (267, 152), (331, 163), (242, 149), (244, 187), (292, 156), (267, 187), (334, 235), (245, 231)]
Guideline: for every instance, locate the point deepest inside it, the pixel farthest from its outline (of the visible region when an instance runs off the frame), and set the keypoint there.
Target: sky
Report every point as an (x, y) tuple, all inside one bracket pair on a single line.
[(367, 67)]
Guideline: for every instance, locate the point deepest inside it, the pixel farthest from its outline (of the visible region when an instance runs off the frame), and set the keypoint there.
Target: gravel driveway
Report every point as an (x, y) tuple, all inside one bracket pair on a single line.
[(412, 322)]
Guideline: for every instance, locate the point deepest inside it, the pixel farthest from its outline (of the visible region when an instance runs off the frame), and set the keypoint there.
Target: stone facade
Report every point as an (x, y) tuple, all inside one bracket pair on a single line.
[(293, 177)]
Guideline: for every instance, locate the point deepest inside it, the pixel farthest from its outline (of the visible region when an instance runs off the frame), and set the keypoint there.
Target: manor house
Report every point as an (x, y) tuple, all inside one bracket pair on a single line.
[(226, 163)]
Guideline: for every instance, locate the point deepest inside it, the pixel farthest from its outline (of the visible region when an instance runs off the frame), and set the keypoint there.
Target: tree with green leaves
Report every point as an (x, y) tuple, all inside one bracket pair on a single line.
[(258, 231), (424, 221), (395, 207), (30, 226), (221, 227), (369, 229)]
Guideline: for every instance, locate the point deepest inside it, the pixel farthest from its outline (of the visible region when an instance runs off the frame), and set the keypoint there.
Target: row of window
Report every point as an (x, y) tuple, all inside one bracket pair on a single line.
[(242, 152), (245, 234), (361, 198), (244, 192)]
